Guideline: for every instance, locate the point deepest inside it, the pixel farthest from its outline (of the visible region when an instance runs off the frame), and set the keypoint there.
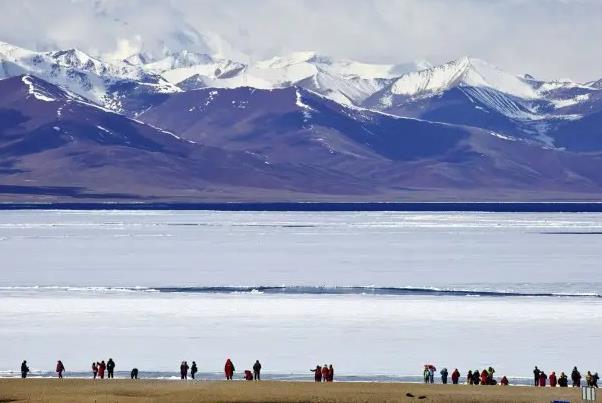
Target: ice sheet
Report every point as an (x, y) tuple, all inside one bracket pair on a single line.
[(360, 335)]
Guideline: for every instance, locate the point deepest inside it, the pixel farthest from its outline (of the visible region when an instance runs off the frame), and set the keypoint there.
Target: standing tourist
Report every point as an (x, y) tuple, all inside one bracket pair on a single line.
[(24, 369), (60, 368), (257, 370), (110, 368), (317, 373), (576, 378), (193, 370), (444, 376), (455, 376), (229, 369)]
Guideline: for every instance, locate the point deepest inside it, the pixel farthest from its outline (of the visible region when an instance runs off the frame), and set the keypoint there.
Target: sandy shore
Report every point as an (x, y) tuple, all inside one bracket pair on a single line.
[(82, 391)]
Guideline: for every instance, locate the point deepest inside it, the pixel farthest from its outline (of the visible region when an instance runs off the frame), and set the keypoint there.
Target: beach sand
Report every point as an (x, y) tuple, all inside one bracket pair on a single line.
[(83, 391)]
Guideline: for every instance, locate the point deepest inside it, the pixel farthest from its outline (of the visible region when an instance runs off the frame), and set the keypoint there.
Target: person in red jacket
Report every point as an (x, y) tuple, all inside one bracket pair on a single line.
[(101, 369), (553, 380), (484, 377), (317, 373), (455, 376), (60, 368), (229, 369), (504, 381), (542, 379), (325, 373)]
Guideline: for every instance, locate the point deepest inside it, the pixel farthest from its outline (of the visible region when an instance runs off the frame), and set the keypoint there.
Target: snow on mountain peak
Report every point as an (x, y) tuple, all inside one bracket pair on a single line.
[(180, 59), (465, 71), (280, 62)]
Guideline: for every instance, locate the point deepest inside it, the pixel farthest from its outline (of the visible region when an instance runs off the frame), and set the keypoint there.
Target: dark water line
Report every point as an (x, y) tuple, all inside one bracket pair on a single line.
[(367, 291), (510, 207)]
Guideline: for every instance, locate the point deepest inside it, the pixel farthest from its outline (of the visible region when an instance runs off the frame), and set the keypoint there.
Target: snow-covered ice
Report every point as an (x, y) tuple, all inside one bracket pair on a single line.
[(360, 334)]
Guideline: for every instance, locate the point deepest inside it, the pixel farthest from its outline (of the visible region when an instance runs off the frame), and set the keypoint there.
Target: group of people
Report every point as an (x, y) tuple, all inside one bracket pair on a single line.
[(323, 373), (540, 378), (184, 370), (60, 369), (429, 375), (484, 377), (99, 368), (255, 375)]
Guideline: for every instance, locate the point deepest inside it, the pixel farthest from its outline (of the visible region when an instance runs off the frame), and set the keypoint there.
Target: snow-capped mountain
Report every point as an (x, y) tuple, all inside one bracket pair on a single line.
[(344, 81), (106, 84), (303, 126), (464, 72), (473, 92)]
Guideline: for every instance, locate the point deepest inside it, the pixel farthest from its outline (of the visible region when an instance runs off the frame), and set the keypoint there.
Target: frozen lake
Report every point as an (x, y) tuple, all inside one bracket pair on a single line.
[(302, 248), (61, 294)]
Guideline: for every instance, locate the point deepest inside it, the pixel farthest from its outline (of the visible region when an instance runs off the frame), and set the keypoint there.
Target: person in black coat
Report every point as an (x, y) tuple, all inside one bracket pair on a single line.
[(257, 371), (536, 373), (563, 381), (193, 370), (110, 368), (24, 369), (576, 378), (134, 373), (476, 378)]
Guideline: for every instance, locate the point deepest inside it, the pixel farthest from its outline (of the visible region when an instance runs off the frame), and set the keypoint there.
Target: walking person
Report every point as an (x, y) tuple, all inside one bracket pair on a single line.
[(595, 379), (94, 370), (455, 376), (110, 368), (317, 373), (60, 368), (101, 369), (257, 370), (576, 378), (444, 376), (193, 370), (184, 370), (536, 373), (229, 369), (24, 369)]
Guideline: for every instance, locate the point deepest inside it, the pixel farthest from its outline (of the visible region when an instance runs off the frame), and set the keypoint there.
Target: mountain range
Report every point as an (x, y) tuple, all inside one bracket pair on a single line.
[(301, 127)]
